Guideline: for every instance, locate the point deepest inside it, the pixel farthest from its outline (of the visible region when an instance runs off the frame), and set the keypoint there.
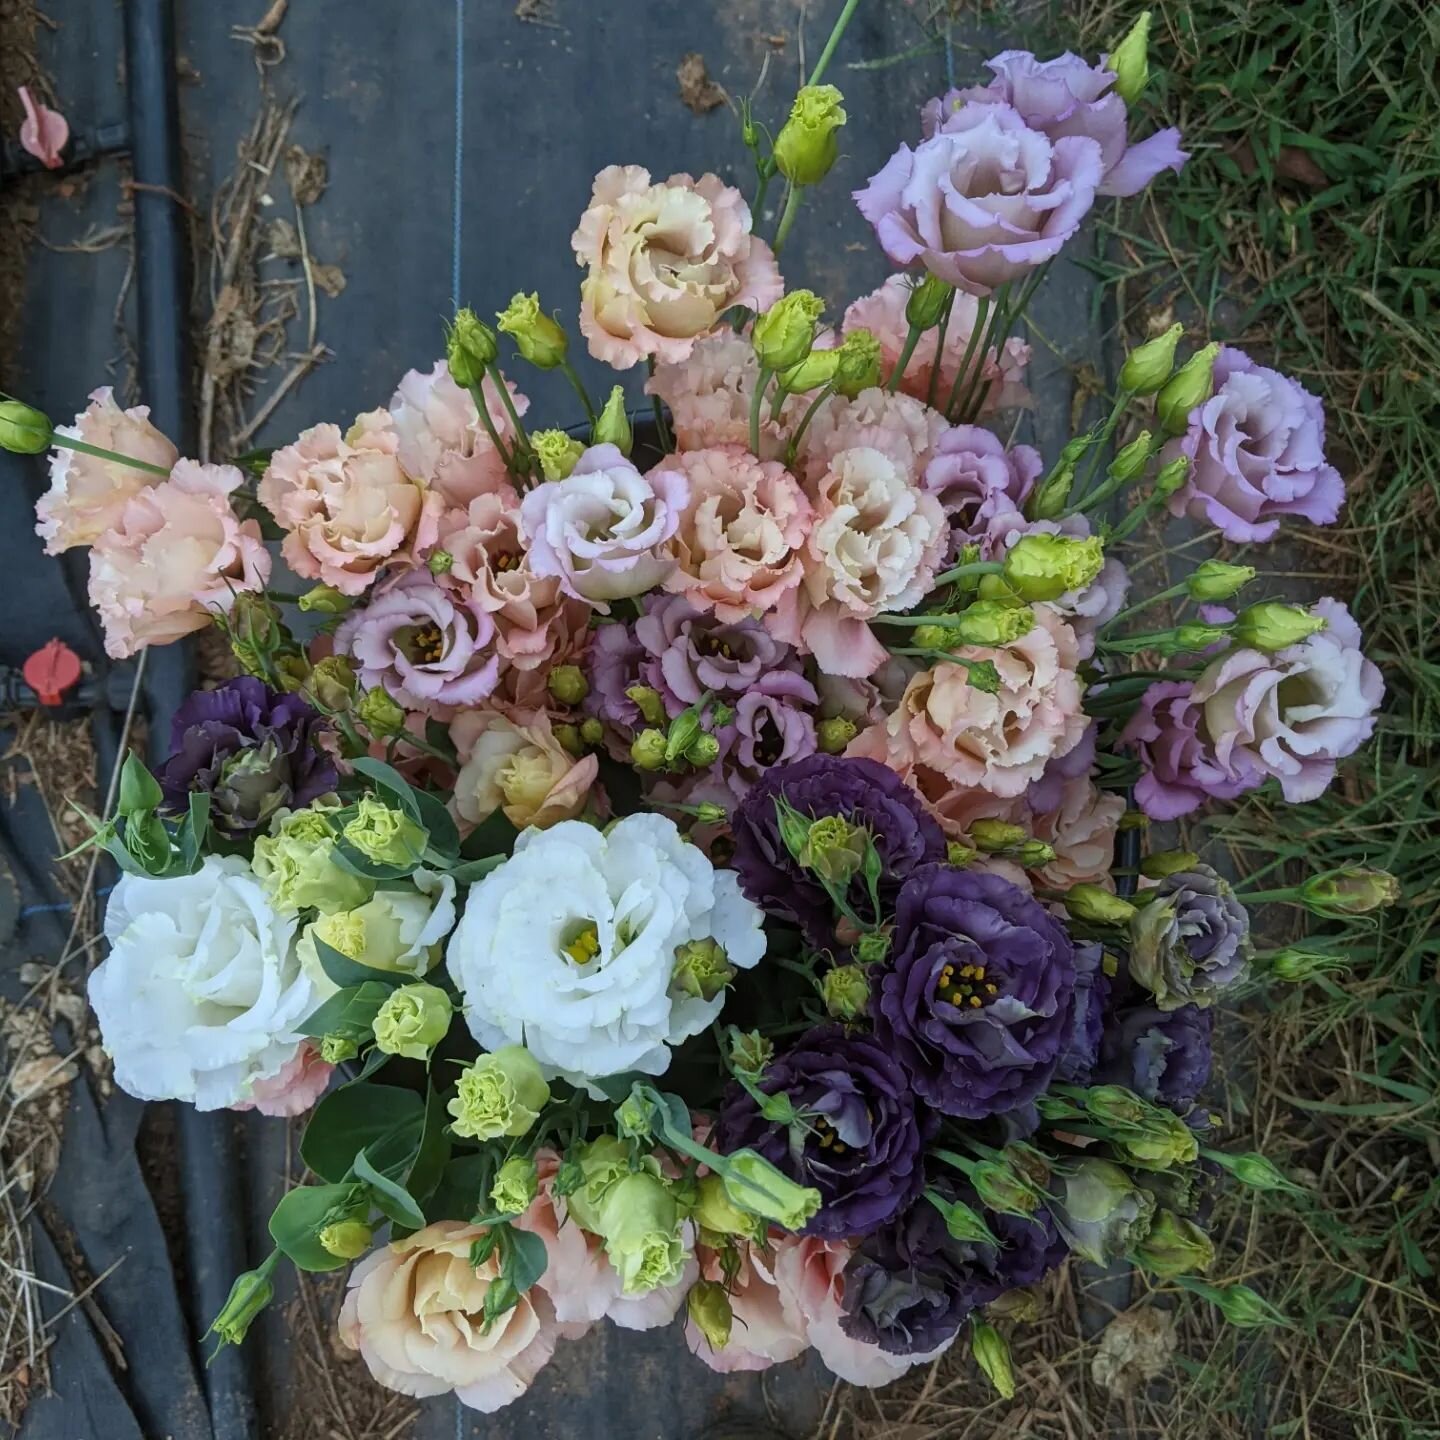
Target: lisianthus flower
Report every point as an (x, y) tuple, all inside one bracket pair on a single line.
[(975, 478), (765, 1331), (663, 261), (984, 200), (882, 313), (87, 494), (1257, 454), (1163, 1055), (582, 973), (601, 531), (1080, 1047), (202, 993), (174, 559), (296, 863), (253, 750), (516, 765), (1081, 828), (347, 504), (1191, 941), (902, 428), (411, 1309), (442, 439), (294, 1088), (740, 542)]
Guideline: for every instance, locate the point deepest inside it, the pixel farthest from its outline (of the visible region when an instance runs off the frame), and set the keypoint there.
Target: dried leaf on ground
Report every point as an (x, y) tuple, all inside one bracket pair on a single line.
[(697, 89), (329, 278), (307, 172), (1134, 1349)]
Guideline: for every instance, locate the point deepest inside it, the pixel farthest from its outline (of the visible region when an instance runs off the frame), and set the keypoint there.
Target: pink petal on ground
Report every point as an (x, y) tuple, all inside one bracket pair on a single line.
[(43, 132)]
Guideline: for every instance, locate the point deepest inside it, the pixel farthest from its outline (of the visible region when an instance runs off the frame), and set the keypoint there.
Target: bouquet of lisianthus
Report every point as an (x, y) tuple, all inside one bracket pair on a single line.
[(693, 870)]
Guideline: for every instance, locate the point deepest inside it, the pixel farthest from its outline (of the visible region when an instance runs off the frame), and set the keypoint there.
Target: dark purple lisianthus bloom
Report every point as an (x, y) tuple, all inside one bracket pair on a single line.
[(1191, 941), (976, 1004), (253, 749), (910, 1286), (1163, 1055), (863, 792), (1082, 1042), (863, 1150)]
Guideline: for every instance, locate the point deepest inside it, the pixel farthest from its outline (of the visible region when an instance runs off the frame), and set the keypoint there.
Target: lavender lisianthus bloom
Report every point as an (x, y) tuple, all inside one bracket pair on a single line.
[(600, 530), (1163, 1055), (773, 726), (984, 200), (1191, 941), (975, 477), (1069, 96), (427, 646), (1081, 1047), (976, 1001), (1046, 794), (613, 664), (253, 749), (1294, 714), (865, 793), (1257, 454), (862, 1141)]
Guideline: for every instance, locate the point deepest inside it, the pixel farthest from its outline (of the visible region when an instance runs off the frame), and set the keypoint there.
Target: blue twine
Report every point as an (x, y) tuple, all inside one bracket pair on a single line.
[(458, 195), (63, 907)]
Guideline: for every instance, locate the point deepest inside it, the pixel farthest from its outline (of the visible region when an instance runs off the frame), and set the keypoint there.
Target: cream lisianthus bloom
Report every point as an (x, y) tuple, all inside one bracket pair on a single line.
[(570, 947), (518, 766)]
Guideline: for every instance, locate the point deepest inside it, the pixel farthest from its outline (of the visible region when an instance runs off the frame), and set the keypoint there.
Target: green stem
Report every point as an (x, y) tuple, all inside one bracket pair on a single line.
[(1290, 896), (477, 394), (974, 567), (1135, 518), (787, 216), (578, 385), (912, 339), (974, 385), (1145, 604), (824, 394), (662, 431), (766, 171), (828, 53), (69, 442), (761, 381), (939, 350), (522, 440), (982, 313), (1096, 450)]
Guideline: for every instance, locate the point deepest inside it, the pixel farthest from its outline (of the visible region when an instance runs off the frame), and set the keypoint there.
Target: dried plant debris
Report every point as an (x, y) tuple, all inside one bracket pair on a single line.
[(697, 89), (1135, 1348), (306, 173)]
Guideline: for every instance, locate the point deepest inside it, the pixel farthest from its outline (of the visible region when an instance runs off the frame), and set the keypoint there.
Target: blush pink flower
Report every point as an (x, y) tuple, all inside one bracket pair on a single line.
[(1000, 742), (882, 313), (517, 766), (348, 505), (87, 493), (413, 1310), (44, 132), (175, 558), (663, 262), (739, 545), (899, 426), (441, 438), (766, 1330), (1081, 829), (295, 1088)]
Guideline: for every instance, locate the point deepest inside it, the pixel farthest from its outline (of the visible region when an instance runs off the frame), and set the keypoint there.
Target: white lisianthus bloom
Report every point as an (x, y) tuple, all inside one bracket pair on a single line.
[(570, 947), (202, 991)]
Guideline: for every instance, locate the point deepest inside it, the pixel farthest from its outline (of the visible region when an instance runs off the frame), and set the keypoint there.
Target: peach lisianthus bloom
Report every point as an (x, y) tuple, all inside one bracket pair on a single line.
[(87, 493), (442, 438), (1082, 832), (175, 558), (741, 537), (294, 1088), (999, 742), (414, 1312), (517, 766), (899, 426), (882, 313), (347, 503), (664, 261), (765, 1331)]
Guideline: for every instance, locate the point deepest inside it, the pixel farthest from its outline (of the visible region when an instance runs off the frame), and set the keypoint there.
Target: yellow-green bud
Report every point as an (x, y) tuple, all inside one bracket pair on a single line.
[(23, 429), (708, 1306), (384, 835), (992, 1354), (1045, 567), (592, 730), (469, 348), (1194, 637), (1130, 61), (648, 703), (995, 835), (754, 1184), (440, 562), (612, 425), (537, 336), (717, 1213), (703, 750), (1258, 1173), (647, 750), (325, 600), (569, 737), (1174, 1246), (256, 631), (1243, 1307), (346, 1239), (1021, 1306), (249, 1295), (1032, 854), (1355, 891), (1214, 580), (1168, 862), (1131, 459), (556, 451), (1272, 626), (783, 335), (567, 684), (379, 714), (707, 812), (932, 637), (807, 144), (750, 1052), (927, 301), (859, 367), (499, 1094), (639, 1221), (1172, 475), (331, 685), (337, 1048), (959, 855), (1098, 906), (872, 947), (516, 1183), (413, 1021), (845, 991), (1050, 500), (1188, 388), (702, 969), (834, 849), (816, 369), (834, 734), (1148, 366), (1294, 965)]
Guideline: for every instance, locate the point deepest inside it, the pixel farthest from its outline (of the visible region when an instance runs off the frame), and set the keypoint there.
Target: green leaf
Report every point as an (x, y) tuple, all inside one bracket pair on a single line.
[(346, 973), (461, 1189), (437, 820), (390, 1196), (347, 857), (354, 1118), (297, 1220), (525, 1258), (389, 779), (494, 835), (434, 1149), (467, 872), (194, 830), (349, 1012), (139, 789)]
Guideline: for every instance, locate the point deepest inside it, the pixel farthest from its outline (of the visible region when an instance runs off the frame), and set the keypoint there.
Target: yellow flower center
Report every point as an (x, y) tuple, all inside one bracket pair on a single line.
[(965, 986), (584, 945)]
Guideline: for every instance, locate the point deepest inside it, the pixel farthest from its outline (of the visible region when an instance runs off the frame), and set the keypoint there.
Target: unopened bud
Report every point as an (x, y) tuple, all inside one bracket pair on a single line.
[(592, 730), (992, 1354), (440, 562), (846, 991), (346, 1239), (469, 348), (1050, 500), (1214, 580), (1097, 906), (567, 684), (556, 451), (1131, 459), (249, 1295), (1044, 567), (1130, 60), (1272, 626), (647, 750), (834, 734), (927, 302), (859, 367), (995, 835), (816, 369), (612, 425), (537, 336), (1355, 891), (1148, 366), (807, 144), (1294, 965), (648, 703), (23, 429), (708, 1307), (783, 335), (1186, 390), (1168, 862), (325, 600), (1174, 1246), (379, 714)]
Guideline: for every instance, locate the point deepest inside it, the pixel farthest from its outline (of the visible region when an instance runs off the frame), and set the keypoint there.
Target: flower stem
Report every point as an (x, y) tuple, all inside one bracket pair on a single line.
[(69, 442), (1107, 489), (974, 384), (522, 440), (912, 339), (477, 394), (1146, 603), (939, 350), (787, 216), (837, 30), (662, 431), (756, 400), (792, 449), (974, 567), (982, 312), (578, 385)]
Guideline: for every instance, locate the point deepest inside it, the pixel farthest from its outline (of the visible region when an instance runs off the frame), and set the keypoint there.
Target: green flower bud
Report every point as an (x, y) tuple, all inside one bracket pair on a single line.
[(1115, 1105), (845, 991), (1240, 1305), (1168, 862), (1130, 61), (927, 302), (708, 1306), (1214, 580), (567, 684), (872, 947), (750, 1052), (1097, 905), (991, 623), (1100, 1210), (256, 631), (1174, 1246), (648, 703), (469, 348), (346, 1239), (499, 1094), (337, 1048), (818, 368), (569, 737), (783, 335), (834, 734), (702, 969), (834, 849), (249, 1295), (992, 1355), (1033, 854), (647, 750), (612, 426), (440, 562), (516, 1184), (1045, 567), (1272, 626), (931, 637), (383, 835), (807, 144), (295, 863), (1186, 390), (537, 337), (716, 1212), (1160, 1141), (1148, 366), (332, 684), (859, 367), (707, 812), (592, 730), (1131, 459), (1256, 1171), (1355, 891), (755, 1185), (556, 451), (413, 1021), (1294, 965), (1171, 476), (1193, 637), (994, 835), (959, 855), (379, 714), (639, 1222), (324, 600), (703, 750), (23, 429), (603, 1162), (1050, 500), (1002, 1189)]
